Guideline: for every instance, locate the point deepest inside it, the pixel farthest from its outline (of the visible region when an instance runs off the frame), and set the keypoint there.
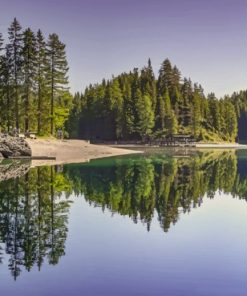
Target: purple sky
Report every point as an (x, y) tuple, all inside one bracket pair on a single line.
[(206, 39)]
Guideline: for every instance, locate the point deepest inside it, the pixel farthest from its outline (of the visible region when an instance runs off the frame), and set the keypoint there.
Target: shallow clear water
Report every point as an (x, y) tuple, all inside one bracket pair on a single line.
[(158, 224)]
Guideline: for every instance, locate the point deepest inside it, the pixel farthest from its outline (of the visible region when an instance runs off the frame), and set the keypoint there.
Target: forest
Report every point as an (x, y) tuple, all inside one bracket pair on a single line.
[(139, 106), (34, 96), (34, 93)]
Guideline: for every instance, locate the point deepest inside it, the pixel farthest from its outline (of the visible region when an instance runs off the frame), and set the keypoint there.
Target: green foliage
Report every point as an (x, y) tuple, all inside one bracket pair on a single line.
[(136, 105), (145, 121), (33, 81), (56, 74)]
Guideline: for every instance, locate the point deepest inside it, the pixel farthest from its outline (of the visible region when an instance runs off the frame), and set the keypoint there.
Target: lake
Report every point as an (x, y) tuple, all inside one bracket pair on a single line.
[(163, 223)]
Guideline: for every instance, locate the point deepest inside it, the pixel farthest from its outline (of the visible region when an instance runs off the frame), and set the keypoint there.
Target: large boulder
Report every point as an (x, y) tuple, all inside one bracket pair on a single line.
[(14, 147)]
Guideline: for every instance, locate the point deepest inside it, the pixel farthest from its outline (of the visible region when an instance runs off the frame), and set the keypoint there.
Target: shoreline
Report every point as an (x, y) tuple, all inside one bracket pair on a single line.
[(79, 151), (196, 146), (222, 145), (71, 151)]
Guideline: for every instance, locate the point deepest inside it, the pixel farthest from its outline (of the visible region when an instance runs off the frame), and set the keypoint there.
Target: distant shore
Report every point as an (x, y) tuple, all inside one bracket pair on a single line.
[(197, 146), (71, 151), (221, 145)]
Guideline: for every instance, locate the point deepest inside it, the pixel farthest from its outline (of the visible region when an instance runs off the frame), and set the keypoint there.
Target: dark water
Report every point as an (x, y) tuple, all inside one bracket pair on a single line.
[(136, 225)]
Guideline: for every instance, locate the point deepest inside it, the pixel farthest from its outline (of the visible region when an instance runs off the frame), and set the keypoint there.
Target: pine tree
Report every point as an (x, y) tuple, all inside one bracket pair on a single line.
[(185, 108), (29, 68), (145, 121), (57, 73), (6, 108), (117, 107), (15, 48), (1, 43), (128, 107), (165, 79), (170, 118), (160, 115), (148, 83), (231, 121), (196, 114), (214, 112), (175, 87), (42, 68)]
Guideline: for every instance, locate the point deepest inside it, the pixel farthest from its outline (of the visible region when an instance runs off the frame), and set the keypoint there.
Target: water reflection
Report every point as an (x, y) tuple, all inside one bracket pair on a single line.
[(139, 186), (34, 208), (33, 218)]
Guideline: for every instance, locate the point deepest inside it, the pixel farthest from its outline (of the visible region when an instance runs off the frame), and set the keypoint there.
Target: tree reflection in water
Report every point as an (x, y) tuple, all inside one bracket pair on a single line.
[(34, 218), (34, 208)]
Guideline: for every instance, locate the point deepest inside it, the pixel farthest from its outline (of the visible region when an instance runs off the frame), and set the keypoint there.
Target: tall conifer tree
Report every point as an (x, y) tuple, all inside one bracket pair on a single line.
[(42, 68), (15, 48), (57, 73), (29, 70)]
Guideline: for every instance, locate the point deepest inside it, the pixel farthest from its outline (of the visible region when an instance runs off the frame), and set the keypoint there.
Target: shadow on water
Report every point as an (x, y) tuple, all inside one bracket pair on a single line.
[(35, 203)]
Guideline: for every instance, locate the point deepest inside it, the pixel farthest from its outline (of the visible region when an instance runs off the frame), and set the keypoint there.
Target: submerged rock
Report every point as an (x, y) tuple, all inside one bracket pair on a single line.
[(11, 169), (14, 147)]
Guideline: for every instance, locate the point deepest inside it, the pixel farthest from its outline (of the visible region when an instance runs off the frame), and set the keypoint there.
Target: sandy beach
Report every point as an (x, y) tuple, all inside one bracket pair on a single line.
[(71, 151)]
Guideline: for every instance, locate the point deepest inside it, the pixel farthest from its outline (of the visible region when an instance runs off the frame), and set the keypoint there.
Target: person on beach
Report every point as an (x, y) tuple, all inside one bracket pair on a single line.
[(59, 134)]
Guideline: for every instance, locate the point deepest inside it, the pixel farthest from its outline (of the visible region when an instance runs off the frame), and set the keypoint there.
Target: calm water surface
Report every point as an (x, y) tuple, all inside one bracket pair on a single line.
[(155, 224)]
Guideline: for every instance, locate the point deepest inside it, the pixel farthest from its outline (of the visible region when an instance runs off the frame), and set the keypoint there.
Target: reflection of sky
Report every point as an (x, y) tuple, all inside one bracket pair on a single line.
[(206, 39), (203, 254)]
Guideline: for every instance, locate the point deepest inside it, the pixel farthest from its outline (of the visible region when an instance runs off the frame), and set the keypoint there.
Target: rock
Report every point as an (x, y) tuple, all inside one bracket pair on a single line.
[(14, 147), (1, 156), (13, 169)]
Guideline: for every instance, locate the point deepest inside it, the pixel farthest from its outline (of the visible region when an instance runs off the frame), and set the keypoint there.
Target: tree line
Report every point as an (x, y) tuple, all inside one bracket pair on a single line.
[(137, 105), (33, 81)]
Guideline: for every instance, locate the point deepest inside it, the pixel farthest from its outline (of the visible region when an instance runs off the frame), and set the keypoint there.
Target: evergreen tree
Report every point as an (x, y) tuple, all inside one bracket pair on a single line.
[(175, 88), (1, 43), (165, 80), (128, 108), (170, 118), (117, 107), (29, 68), (231, 121), (196, 117), (42, 88), (15, 49), (57, 73), (145, 121), (160, 115), (148, 83), (7, 114), (214, 112), (185, 107)]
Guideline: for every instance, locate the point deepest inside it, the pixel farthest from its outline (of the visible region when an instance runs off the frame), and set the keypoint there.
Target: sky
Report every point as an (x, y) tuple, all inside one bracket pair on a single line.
[(206, 39)]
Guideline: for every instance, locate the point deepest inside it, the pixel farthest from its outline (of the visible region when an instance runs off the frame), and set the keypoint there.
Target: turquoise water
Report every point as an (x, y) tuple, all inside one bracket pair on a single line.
[(153, 224)]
